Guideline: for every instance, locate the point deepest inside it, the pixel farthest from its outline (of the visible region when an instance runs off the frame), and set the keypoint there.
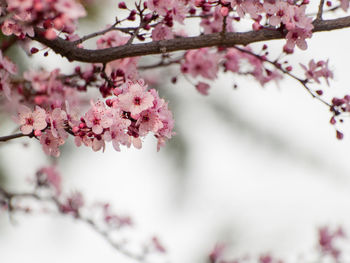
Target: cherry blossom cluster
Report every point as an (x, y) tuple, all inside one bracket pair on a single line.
[(286, 15), (159, 16), (49, 103), (124, 119), (24, 15), (205, 63), (317, 70)]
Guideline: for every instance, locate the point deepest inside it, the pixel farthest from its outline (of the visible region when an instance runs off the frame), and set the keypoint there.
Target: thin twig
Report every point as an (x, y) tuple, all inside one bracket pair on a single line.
[(277, 66), (320, 10)]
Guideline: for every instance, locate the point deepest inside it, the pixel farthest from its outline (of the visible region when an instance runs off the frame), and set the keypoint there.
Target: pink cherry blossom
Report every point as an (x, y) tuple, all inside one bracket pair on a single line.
[(72, 204), (38, 79), (159, 6), (201, 62), (214, 23), (19, 5), (233, 58), (149, 121), (161, 32), (30, 121), (203, 88), (179, 10), (279, 12), (317, 70), (127, 65), (117, 135), (98, 118), (72, 10), (136, 99), (58, 118), (297, 37), (252, 7), (112, 39), (51, 144), (98, 144)]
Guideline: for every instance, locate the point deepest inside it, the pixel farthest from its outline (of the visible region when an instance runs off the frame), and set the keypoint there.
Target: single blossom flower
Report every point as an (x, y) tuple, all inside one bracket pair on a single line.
[(29, 120)]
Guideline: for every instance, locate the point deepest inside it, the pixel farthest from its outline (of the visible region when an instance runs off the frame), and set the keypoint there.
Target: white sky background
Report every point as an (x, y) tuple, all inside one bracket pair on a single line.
[(260, 177)]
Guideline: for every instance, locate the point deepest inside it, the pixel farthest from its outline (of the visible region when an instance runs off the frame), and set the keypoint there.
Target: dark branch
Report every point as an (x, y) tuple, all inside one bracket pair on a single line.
[(320, 10), (13, 136), (71, 52)]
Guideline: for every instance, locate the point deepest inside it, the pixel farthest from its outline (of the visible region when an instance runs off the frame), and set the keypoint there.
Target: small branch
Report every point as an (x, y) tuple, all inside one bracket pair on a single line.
[(224, 26), (14, 136), (277, 66), (99, 33), (320, 10)]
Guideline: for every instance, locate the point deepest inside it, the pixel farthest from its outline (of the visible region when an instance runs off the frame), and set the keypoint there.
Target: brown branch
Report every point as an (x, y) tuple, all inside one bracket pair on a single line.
[(320, 10), (73, 53), (13, 136)]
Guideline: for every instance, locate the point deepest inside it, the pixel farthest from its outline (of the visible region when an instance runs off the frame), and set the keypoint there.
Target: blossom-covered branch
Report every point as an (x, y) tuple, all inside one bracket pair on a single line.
[(129, 109), (228, 39)]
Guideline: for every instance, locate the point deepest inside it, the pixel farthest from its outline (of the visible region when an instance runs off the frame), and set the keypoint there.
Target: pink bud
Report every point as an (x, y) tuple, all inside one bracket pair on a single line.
[(257, 26), (50, 33), (37, 133), (319, 92), (75, 129), (332, 121), (340, 135), (122, 5), (34, 50), (224, 11)]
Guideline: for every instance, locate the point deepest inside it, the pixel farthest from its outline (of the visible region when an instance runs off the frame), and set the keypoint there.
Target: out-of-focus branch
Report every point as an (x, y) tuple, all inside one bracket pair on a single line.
[(7, 202)]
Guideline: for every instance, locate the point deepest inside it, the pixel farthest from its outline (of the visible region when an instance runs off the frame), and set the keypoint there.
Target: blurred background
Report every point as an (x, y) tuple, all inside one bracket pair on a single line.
[(259, 169)]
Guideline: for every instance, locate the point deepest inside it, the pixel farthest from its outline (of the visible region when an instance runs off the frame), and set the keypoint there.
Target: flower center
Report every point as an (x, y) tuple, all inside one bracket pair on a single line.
[(137, 101), (29, 121)]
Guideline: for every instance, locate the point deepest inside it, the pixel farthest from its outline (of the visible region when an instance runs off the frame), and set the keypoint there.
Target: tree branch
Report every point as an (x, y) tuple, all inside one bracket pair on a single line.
[(13, 136), (320, 10), (73, 53)]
